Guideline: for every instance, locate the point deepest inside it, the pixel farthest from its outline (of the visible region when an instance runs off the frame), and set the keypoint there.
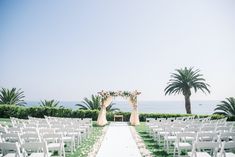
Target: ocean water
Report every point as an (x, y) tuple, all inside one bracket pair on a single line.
[(197, 107)]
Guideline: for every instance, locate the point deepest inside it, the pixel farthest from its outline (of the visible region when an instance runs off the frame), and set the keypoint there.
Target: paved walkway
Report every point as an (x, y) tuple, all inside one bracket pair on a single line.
[(118, 142)]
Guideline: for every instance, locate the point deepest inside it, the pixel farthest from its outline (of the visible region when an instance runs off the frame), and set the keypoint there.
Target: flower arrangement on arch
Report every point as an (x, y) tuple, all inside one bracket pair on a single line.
[(126, 94)]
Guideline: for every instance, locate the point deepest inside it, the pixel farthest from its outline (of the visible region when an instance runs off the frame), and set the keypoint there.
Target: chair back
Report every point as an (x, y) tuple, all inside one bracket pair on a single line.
[(8, 147)]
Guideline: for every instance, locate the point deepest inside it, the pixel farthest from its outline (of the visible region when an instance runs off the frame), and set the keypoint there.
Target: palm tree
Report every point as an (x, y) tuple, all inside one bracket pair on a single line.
[(94, 104), (110, 108), (227, 107), (50, 103), (182, 81), (12, 97)]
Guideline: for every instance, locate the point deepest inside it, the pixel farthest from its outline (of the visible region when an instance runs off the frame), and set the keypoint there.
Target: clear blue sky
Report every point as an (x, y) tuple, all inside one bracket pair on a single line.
[(67, 50)]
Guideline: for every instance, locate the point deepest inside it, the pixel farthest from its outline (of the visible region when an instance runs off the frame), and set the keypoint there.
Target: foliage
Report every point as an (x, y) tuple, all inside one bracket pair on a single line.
[(12, 96), (90, 104), (132, 95), (94, 104), (183, 81), (50, 103), (227, 107), (7, 111)]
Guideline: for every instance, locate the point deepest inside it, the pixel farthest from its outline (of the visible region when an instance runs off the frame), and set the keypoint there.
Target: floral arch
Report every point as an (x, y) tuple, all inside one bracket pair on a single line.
[(106, 99)]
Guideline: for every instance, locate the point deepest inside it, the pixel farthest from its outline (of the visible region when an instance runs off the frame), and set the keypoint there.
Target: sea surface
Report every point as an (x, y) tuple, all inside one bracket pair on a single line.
[(198, 107)]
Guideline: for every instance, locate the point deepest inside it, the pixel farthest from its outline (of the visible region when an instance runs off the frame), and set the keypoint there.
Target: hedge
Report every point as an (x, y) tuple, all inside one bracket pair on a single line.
[(7, 111)]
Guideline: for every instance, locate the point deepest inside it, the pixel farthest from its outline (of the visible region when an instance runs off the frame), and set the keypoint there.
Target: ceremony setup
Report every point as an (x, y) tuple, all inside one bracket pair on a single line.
[(117, 78), (49, 136), (108, 96)]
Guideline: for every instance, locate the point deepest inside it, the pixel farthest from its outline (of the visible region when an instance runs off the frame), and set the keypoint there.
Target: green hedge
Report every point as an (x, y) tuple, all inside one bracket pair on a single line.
[(7, 111)]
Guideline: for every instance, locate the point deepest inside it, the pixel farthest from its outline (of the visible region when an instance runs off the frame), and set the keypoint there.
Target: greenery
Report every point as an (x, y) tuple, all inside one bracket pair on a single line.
[(5, 121), (50, 103), (7, 111), (94, 104), (226, 108), (132, 95), (12, 96), (183, 81)]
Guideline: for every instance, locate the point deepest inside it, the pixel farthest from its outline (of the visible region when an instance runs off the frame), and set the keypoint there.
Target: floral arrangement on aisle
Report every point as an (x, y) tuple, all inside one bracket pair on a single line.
[(126, 94)]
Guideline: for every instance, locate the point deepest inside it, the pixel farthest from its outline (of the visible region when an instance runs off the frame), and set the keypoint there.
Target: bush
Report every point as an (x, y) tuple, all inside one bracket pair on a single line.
[(7, 111)]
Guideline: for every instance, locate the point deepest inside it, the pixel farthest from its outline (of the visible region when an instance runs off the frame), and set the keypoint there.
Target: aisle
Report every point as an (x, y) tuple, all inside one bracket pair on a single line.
[(118, 142)]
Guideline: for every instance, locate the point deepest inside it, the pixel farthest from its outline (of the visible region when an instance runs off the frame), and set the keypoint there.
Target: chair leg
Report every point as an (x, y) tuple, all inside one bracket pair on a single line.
[(174, 152), (179, 151), (63, 149)]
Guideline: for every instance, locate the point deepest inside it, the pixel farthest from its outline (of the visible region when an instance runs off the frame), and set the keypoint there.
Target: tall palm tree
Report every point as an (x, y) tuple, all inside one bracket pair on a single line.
[(12, 97), (94, 104), (50, 103), (183, 81), (227, 107)]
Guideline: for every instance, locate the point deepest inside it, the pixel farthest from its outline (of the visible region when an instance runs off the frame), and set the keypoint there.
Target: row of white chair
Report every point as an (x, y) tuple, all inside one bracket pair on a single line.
[(212, 149), (172, 131), (54, 132), (32, 149)]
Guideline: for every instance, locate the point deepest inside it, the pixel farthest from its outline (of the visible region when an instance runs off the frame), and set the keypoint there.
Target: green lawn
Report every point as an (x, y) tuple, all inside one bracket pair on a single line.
[(157, 150), (5, 121)]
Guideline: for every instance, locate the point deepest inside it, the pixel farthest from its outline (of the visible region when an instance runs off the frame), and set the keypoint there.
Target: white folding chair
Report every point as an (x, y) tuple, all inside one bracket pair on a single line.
[(204, 149), (11, 137), (29, 130), (46, 131), (35, 149), (10, 149), (30, 137), (54, 143), (226, 149), (184, 141), (3, 129), (207, 136), (227, 136), (223, 129), (68, 137), (170, 136), (14, 130)]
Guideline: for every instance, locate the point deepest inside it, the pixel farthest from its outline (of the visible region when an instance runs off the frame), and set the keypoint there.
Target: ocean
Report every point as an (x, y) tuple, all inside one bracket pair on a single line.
[(197, 107)]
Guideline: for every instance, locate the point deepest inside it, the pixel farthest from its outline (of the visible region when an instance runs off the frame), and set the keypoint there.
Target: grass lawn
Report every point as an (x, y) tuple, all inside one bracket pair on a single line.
[(157, 150), (5, 121)]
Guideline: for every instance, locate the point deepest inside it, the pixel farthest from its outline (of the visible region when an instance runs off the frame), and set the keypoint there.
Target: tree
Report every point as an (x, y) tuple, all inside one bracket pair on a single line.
[(183, 81), (50, 103), (227, 107), (94, 104), (12, 97)]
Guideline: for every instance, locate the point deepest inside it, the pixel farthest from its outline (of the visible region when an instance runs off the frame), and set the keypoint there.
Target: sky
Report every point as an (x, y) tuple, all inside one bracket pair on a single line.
[(68, 50)]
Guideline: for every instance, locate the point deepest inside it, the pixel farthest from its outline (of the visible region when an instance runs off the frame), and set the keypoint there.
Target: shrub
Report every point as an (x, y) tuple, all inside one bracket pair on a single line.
[(7, 111)]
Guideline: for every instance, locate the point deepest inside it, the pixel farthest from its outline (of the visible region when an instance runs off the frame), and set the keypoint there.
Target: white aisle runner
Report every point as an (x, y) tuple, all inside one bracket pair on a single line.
[(118, 142)]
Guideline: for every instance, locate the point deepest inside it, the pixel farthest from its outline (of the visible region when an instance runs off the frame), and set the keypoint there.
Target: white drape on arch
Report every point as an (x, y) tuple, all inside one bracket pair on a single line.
[(134, 118), (102, 114)]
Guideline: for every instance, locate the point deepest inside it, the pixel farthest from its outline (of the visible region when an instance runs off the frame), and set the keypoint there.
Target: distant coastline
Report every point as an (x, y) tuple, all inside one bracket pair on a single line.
[(198, 107)]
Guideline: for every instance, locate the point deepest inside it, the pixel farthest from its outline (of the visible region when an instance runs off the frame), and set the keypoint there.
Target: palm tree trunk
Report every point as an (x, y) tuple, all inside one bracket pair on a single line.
[(187, 104)]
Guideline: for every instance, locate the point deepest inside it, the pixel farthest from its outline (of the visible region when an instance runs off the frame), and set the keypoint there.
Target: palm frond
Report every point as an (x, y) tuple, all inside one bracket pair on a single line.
[(12, 97), (184, 79), (226, 107), (94, 104), (50, 103)]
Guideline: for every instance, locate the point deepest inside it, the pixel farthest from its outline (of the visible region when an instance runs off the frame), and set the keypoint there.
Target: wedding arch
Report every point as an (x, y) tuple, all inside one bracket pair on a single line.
[(107, 98)]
